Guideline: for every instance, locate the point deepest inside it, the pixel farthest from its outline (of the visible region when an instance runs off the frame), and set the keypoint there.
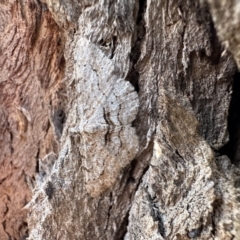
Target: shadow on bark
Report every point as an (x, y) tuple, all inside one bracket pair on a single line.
[(232, 148)]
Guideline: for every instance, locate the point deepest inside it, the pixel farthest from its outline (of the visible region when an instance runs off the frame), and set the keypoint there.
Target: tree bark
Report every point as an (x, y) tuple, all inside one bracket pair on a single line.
[(116, 115), (32, 103)]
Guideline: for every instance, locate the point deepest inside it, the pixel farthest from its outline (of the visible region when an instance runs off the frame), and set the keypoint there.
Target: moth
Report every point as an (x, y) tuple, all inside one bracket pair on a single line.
[(106, 106)]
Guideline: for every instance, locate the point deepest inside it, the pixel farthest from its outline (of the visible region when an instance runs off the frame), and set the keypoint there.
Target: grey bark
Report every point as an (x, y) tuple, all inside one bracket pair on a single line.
[(142, 153)]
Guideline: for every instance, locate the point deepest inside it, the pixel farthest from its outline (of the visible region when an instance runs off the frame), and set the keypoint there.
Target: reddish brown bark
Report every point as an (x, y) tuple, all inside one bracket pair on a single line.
[(31, 113)]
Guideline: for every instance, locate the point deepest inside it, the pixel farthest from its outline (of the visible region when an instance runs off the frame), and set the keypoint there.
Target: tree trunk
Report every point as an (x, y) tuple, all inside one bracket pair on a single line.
[(115, 121)]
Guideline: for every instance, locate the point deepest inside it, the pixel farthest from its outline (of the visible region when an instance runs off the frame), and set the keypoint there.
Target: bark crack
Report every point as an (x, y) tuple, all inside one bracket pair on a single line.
[(109, 211), (156, 214), (133, 74), (4, 228), (232, 148)]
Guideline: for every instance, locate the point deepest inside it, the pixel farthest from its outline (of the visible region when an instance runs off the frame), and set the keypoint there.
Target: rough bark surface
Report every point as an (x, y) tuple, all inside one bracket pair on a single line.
[(31, 115), (226, 16), (148, 87)]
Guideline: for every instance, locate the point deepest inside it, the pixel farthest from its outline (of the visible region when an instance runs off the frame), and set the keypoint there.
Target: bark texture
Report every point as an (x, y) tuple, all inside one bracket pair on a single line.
[(31, 115), (145, 87), (226, 16)]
